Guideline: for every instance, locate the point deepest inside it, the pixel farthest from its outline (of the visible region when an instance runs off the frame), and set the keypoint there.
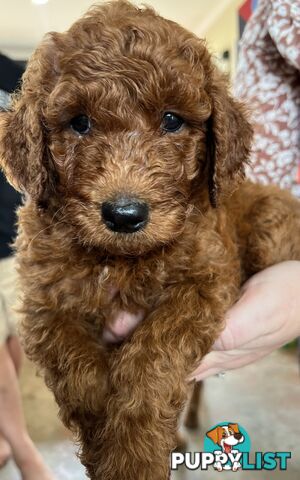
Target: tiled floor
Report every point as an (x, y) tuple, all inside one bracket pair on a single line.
[(264, 398)]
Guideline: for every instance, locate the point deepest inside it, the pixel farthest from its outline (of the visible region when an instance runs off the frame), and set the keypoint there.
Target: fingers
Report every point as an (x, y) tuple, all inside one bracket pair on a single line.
[(217, 362), (244, 320), (122, 326), (210, 365)]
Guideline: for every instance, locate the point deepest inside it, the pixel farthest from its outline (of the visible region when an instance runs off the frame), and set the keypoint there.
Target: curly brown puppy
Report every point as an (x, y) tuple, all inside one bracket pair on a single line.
[(131, 152)]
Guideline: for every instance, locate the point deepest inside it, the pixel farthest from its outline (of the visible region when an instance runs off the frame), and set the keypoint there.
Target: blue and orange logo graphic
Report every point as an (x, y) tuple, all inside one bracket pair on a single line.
[(227, 441)]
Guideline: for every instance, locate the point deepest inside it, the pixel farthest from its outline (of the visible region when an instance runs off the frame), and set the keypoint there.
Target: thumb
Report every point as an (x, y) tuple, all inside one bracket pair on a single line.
[(243, 321)]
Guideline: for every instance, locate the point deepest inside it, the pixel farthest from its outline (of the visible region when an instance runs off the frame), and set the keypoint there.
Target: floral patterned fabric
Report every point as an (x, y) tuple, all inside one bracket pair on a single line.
[(268, 79)]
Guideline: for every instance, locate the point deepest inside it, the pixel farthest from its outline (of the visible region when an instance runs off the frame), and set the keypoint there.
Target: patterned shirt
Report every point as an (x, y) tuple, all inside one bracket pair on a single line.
[(268, 79)]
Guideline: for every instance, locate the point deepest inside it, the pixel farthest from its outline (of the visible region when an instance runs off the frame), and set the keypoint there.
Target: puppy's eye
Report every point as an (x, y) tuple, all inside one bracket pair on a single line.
[(171, 122), (81, 124)]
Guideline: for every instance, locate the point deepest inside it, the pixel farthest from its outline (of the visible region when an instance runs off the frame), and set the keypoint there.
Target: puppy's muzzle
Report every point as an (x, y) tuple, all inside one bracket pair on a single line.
[(125, 215)]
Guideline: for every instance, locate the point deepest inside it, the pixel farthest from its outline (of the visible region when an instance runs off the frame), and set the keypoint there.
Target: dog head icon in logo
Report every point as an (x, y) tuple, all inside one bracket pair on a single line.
[(226, 438)]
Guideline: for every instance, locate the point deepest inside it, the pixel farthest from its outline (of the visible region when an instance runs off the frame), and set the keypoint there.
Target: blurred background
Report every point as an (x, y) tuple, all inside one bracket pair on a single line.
[(263, 397)]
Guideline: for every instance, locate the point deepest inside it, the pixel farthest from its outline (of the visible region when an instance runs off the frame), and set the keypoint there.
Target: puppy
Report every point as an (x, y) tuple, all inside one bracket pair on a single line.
[(131, 152)]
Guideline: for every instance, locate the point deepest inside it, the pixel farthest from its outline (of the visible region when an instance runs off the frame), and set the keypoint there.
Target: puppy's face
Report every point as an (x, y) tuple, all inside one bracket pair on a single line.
[(127, 138), (121, 108)]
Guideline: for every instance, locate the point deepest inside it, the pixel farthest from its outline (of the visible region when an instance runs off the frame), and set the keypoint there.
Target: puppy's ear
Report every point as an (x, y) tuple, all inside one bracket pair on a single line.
[(229, 136), (234, 427), (215, 435), (23, 150)]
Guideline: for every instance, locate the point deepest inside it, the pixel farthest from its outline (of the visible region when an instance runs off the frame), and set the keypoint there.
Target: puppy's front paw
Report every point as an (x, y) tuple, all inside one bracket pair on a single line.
[(82, 388), (92, 388)]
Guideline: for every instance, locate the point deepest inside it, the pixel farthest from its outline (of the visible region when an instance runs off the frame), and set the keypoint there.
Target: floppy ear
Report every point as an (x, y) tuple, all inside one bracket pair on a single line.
[(234, 427), (215, 435), (23, 150), (229, 136)]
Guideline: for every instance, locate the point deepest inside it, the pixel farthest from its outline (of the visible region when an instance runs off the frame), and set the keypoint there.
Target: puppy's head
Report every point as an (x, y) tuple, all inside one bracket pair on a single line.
[(226, 436), (125, 123)]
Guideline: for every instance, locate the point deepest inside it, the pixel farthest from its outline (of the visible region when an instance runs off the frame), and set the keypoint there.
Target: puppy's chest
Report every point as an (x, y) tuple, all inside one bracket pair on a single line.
[(136, 285), (129, 285)]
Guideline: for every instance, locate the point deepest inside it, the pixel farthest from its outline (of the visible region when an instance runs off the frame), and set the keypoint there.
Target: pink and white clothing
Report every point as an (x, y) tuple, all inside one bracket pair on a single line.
[(268, 79)]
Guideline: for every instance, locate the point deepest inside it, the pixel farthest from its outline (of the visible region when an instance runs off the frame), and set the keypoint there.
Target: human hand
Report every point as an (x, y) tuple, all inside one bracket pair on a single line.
[(122, 326), (266, 317)]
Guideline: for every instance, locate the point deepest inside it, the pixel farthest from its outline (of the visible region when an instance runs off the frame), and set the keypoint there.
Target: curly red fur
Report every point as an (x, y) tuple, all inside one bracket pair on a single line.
[(208, 229)]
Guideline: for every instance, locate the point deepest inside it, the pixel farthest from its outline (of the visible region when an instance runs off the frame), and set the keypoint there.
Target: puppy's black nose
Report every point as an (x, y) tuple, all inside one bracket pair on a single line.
[(238, 436), (125, 215)]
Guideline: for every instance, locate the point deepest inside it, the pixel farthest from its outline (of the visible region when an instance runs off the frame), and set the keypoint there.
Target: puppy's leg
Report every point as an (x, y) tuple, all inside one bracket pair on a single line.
[(274, 230), (73, 362), (149, 381), (192, 415)]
